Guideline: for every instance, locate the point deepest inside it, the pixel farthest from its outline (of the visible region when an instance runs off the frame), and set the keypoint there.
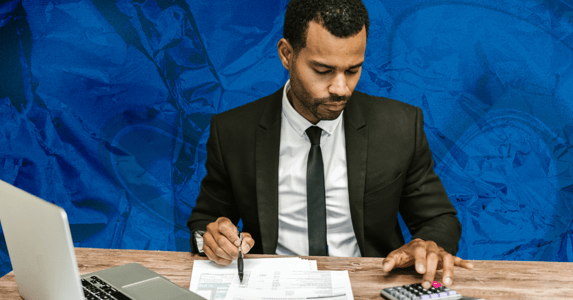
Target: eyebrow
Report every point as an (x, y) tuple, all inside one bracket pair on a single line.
[(318, 64)]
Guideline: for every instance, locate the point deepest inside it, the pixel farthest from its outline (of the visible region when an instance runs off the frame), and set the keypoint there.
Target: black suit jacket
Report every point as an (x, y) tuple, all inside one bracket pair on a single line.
[(389, 163)]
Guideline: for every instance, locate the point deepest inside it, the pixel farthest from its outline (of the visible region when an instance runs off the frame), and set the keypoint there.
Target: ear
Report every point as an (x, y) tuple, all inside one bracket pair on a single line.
[(286, 53)]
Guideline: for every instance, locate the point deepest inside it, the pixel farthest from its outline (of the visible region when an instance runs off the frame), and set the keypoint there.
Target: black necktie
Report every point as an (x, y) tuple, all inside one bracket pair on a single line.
[(315, 198)]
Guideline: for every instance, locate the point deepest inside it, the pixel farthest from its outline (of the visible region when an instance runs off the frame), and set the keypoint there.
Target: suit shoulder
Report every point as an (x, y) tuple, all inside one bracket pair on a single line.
[(367, 101), (372, 106), (249, 112)]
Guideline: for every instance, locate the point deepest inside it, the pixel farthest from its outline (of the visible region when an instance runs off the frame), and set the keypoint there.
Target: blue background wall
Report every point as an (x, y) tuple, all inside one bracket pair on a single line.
[(105, 109)]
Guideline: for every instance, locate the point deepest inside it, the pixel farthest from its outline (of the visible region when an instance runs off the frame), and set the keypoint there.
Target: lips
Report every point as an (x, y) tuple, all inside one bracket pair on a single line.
[(335, 105)]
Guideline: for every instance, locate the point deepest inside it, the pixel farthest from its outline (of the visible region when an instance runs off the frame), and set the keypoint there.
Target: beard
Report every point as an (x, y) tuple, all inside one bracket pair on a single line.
[(320, 108), (322, 112)]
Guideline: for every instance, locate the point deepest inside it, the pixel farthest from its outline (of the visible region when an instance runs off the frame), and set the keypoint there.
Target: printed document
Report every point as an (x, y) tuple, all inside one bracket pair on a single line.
[(280, 278), (211, 281), (290, 285)]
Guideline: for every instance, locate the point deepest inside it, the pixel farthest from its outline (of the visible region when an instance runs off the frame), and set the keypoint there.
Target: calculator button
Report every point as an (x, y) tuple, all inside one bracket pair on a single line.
[(417, 292)]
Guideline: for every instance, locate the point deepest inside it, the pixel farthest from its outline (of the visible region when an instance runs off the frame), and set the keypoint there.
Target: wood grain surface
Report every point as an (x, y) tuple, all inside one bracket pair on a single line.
[(488, 279)]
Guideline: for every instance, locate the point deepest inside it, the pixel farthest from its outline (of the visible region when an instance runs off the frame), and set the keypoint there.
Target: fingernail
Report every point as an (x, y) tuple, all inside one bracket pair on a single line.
[(384, 265), (246, 247), (421, 268), (426, 284), (448, 281), (238, 243)]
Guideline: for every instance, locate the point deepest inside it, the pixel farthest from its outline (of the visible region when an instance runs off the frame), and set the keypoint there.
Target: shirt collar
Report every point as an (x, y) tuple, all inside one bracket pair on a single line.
[(299, 123)]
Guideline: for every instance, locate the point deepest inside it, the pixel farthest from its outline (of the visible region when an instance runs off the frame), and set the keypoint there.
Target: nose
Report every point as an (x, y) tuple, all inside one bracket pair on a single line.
[(338, 86)]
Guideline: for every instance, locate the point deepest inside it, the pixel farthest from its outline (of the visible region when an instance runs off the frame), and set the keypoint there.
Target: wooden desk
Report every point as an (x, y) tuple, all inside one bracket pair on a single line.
[(489, 279)]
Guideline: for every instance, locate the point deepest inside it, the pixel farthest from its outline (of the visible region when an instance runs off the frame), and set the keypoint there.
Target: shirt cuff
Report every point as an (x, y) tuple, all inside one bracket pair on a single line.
[(197, 238)]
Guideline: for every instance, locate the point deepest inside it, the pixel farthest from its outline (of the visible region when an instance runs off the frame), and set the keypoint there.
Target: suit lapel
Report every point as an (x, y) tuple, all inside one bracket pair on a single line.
[(356, 133), (267, 174)]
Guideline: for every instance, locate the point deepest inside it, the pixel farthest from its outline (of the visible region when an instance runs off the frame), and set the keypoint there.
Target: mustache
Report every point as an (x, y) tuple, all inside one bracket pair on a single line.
[(332, 99)]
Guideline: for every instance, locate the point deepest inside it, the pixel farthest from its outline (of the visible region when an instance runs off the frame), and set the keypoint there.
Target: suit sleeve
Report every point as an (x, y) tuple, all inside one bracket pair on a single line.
[(216, 196), (424, 205)]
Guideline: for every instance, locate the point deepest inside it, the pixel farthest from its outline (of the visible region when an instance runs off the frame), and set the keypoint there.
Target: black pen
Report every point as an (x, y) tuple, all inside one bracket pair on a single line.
[(240, 259)]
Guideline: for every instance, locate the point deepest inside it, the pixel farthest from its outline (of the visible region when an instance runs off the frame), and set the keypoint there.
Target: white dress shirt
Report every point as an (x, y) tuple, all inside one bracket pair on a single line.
[(294, 148)]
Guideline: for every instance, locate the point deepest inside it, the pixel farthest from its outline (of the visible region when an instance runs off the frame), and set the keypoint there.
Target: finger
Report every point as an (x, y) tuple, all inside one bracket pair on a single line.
[(448, 265), (401, 257), (432, 260), (221, 230), (229, 230), (420, 259), (248, 242), (226, 250), (388, 263), (220, 245), (458, 262), (213, 257)]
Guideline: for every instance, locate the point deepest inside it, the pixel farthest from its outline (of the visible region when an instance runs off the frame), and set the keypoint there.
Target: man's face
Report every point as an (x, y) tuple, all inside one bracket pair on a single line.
[(323, 74)]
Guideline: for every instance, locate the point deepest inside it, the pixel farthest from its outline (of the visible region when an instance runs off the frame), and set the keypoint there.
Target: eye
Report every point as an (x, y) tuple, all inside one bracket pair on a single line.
[(351, 71), (322, 73)]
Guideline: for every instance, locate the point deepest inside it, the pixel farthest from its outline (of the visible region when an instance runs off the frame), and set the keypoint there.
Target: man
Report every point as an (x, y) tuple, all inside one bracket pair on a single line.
[(318, 168)]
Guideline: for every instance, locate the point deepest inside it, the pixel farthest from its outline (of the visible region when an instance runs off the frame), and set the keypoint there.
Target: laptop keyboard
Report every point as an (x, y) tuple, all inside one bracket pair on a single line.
[(96, 289)]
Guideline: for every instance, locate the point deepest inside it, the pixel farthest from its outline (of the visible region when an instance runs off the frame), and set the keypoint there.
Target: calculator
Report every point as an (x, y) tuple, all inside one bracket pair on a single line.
[(417, 292)]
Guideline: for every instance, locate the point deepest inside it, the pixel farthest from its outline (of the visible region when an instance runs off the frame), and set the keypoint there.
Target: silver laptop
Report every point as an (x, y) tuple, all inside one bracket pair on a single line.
[(41, 250)]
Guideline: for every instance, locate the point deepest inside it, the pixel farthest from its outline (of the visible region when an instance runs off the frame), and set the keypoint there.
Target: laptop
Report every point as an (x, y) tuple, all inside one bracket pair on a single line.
[(41, 250)]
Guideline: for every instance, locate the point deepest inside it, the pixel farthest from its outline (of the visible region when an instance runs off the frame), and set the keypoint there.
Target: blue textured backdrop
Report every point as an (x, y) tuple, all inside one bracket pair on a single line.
[(105, 109)]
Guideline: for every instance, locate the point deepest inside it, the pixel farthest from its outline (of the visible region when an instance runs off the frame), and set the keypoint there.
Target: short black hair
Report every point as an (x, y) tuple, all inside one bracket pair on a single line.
[(342, 18)]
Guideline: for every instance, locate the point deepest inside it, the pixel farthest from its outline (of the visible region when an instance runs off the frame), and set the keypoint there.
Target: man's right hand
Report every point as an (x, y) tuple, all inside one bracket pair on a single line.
[(221, 241)]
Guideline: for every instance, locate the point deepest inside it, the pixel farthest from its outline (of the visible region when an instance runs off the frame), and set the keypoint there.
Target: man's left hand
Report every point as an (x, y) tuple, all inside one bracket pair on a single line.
[(428, 258)]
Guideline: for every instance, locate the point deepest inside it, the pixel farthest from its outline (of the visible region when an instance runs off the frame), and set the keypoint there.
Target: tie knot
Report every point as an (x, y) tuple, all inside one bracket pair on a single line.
[(314, 133)]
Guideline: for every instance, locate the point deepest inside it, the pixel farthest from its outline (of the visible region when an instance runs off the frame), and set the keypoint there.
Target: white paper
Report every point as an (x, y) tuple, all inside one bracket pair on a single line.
[(291, 285), (212, 281)]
